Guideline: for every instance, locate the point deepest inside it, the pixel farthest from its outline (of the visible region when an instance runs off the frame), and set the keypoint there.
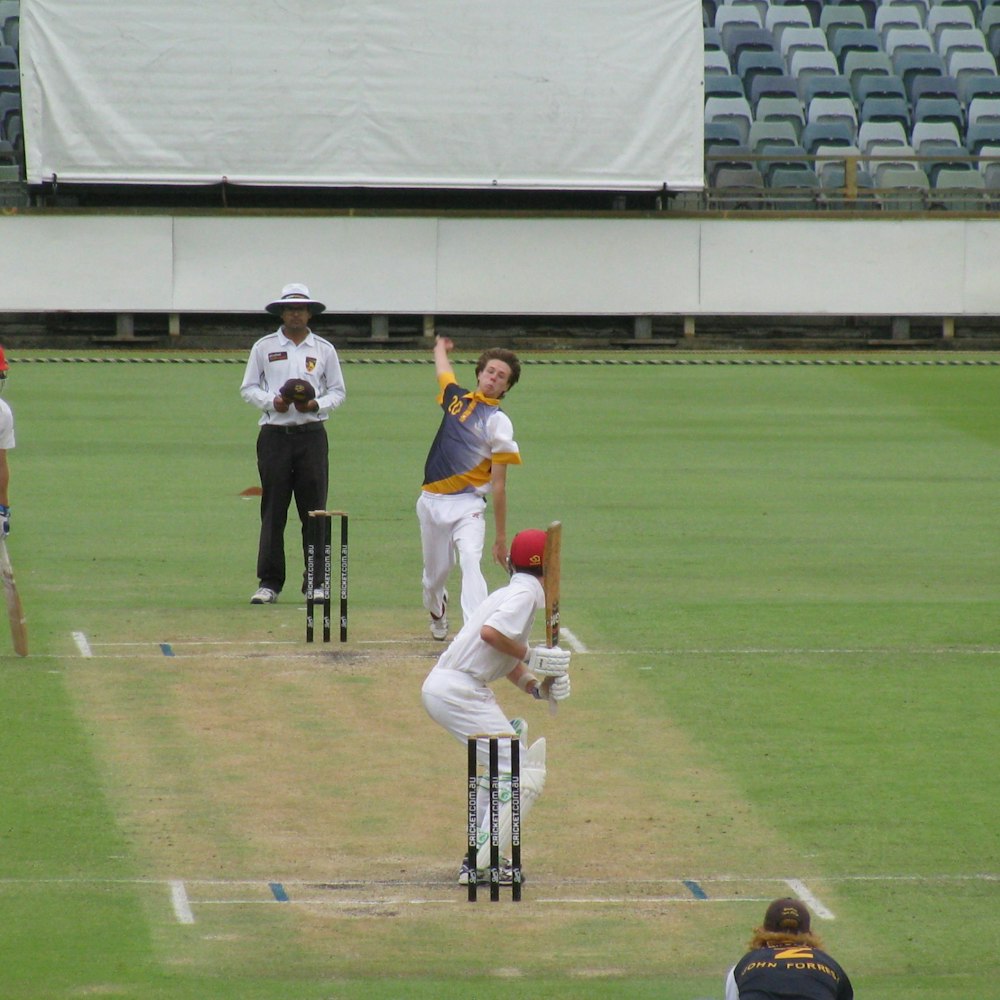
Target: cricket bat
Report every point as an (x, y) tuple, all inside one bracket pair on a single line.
[(15, 612), (551, 558)]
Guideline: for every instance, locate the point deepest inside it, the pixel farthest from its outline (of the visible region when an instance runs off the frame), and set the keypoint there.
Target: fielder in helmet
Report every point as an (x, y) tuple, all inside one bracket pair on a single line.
[(493, 644)]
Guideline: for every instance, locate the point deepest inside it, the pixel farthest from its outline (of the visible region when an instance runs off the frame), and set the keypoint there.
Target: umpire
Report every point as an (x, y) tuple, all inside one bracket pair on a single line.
[(786, 961), (293, 377)]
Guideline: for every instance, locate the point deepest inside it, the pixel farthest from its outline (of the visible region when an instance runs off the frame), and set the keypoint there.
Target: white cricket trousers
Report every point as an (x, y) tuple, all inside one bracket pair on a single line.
[(465, 707), (452, 528)]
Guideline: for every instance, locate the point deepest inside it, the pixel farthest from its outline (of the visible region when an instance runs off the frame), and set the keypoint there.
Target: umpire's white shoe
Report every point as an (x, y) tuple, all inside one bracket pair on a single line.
[(264, 595), (439, 623)]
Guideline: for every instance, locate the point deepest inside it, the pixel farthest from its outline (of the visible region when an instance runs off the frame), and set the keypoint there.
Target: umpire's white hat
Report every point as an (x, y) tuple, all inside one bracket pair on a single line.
[(295, 295)]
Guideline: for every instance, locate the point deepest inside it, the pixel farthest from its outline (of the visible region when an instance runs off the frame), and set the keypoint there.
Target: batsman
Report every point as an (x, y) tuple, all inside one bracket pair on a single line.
[(493, 644)]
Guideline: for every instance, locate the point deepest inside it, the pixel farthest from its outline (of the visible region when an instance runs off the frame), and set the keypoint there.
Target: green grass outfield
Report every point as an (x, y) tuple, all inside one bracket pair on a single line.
[(783, 575)]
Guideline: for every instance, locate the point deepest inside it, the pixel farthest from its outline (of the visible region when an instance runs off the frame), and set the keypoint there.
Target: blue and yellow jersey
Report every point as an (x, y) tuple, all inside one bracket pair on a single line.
[(474, 433)]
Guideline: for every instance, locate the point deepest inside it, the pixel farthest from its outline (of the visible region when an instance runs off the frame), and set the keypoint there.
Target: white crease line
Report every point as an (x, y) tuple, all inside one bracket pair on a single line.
[(81, 644), (573, 642), (179, 900), (801, 890)]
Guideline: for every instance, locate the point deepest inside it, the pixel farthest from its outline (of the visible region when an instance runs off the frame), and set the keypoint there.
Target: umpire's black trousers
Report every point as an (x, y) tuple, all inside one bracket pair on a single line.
[(292, 461)]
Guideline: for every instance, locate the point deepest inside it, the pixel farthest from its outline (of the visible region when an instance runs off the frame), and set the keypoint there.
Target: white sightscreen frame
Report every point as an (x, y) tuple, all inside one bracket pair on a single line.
[(517, 94)]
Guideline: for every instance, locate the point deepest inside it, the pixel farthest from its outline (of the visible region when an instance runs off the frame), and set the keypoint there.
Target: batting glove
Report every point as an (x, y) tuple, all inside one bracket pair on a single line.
[(4, 520), (558, 688), (544, 661)]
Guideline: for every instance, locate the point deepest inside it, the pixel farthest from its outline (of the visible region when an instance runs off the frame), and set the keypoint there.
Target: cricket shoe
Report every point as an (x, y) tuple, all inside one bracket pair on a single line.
[(464, 873), (264, 595), (439, 623), (507, 873)]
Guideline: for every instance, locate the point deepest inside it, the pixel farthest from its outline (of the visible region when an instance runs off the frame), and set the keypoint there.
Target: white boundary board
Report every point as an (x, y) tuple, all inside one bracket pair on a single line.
[(523, 94), (431, 265)]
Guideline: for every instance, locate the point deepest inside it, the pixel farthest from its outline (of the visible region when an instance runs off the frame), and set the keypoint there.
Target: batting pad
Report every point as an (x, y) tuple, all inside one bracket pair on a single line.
[(532, 783)]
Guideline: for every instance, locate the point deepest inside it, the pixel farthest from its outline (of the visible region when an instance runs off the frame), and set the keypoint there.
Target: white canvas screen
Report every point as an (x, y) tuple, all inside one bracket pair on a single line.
[(543, 94)]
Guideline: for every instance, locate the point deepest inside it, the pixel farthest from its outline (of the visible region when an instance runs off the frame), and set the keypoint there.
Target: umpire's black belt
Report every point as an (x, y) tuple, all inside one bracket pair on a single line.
[(309, 428)]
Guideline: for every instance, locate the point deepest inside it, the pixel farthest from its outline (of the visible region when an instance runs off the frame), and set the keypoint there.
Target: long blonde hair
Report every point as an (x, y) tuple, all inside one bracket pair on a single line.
[(782, 939)]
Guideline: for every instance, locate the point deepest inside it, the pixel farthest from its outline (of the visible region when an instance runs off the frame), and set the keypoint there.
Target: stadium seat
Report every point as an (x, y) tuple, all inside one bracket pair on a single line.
[(964, 63), (753, 63), (896, 16), (942, 16), (813, 7), (10, 81), (908, 40), (741, 39), (983, 134), (722, 133), (886, 109), (907, 65), (730, 14), (8, 57), (933, 86), (775, 133), (737, 189), (989, 25), (860, 63), (761, 6), (984, 108), (12, 130), (959, 190), (834, 109), (782, 109), (711, 39), (945, 157), (783, 157), (870, 7), (855, 40), (833, 194), (823, 86), (989, 167), (880, 157), (779, 17), (727, 158), (938, 109), (794, 39), (723, 85), (793, 190), (960, 40), (771, 86), (10, 104), (841, 15), (832, 133), (880, 133), (830, 158), (929, 84), (903, 190), (921, 6), (879, 86), (731, 109), (941, 133), (716, 63), (806, 63), (970, 87)]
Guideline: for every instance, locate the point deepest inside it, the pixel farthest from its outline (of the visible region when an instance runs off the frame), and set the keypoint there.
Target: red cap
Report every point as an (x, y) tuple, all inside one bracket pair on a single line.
[(527, 550)]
